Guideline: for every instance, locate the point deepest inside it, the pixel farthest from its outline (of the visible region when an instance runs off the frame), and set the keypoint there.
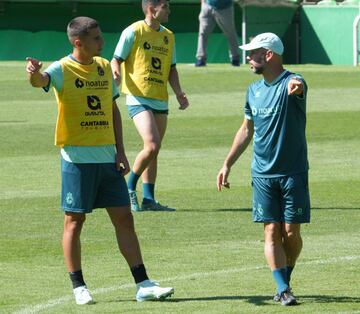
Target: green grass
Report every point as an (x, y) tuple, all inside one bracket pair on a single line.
[(208, 249)]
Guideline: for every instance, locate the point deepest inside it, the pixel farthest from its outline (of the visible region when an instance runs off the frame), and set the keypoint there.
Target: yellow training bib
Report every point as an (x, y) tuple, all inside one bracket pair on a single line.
[(146, 70), (85, 115)]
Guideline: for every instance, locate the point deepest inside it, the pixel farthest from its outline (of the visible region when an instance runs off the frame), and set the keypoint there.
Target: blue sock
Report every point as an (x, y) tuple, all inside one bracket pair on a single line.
[(148, 193), (279, 275), (132, 181), (289, 270)]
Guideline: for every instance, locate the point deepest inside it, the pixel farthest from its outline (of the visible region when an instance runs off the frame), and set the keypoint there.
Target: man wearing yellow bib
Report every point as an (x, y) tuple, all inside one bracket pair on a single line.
[(93, 160), (146, 55)]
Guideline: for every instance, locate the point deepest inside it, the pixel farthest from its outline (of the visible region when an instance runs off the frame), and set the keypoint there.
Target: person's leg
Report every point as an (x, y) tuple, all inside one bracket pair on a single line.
[(206, 27), (275, 254), (267, 208), (149, 175), (296, 206), (225, 20), (73, 223), (292, 243), (147, 128), (122, 220)]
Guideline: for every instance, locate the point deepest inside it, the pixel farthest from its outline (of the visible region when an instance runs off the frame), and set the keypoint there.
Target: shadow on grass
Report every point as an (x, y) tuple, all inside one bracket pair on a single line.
[(312, 208), (328, 299), (233, 209), (259, 299), (335, 208), (217, 210), (267, 300)]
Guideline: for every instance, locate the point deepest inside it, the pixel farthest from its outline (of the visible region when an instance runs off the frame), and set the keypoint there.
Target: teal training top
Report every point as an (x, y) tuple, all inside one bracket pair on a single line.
[(279, 127)]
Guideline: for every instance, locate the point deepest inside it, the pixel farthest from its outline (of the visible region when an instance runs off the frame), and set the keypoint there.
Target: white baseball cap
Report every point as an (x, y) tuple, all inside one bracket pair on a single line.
[(265, 40)]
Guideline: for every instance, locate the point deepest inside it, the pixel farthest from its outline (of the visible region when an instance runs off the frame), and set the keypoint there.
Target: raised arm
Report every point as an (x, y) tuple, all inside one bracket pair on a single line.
[(241, 141), (175, 85), (36, 78)]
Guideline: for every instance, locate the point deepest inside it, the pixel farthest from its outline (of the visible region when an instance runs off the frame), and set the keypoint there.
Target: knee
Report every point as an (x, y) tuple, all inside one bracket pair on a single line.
[(153, 148), (291, 234), (125, 223), (272, 233), (74, 224)]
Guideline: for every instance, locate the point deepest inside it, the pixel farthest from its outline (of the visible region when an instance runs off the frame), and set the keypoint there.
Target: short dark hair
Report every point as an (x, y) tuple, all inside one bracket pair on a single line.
[(145, 3), (80, 27)]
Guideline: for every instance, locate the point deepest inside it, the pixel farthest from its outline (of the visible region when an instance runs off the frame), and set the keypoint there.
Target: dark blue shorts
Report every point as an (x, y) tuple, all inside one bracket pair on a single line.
[(282, 199), (135, 109), (89, 186)]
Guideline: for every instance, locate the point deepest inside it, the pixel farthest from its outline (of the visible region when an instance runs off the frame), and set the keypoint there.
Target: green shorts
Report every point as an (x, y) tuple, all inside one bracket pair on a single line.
[(282, 199), (89, 186), (135, 109)]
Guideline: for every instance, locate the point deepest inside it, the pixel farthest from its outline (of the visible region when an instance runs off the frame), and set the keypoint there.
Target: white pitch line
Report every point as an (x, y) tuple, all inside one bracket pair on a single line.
[(52, 303)]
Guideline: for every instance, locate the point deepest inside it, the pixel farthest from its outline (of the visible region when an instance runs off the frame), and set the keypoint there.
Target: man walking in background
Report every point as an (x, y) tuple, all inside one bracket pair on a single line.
[(146, 54), (275, 116)]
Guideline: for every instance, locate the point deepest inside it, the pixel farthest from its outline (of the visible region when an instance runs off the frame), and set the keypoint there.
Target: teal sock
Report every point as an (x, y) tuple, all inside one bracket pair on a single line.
[(148, 193), (289, 270), (132, 181), (279, 275)]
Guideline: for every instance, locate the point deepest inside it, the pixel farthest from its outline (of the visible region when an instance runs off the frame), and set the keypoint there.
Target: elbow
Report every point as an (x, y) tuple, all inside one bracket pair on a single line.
[(250, 133), (247, 133), (36, 84)]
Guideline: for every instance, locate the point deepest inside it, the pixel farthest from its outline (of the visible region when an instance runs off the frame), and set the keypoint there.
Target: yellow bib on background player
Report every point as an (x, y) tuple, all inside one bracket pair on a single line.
[(85, 115), (146, 70)]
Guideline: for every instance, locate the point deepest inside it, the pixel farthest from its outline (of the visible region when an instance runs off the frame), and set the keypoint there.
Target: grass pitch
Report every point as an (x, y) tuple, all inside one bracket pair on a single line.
[(209, 249)]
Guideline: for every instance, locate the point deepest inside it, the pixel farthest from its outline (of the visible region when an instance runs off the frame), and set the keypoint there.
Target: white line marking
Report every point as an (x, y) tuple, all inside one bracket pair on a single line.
[(52, 303)]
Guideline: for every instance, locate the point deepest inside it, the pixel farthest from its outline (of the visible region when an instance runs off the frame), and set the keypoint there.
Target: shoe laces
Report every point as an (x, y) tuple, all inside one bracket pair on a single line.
[(155, 283), (133, 196), (84, 291), (287, 293)]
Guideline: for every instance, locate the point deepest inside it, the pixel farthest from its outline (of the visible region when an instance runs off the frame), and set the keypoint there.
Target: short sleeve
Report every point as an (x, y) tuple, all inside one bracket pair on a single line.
[(56, 77), (125, 44), (247, 109)]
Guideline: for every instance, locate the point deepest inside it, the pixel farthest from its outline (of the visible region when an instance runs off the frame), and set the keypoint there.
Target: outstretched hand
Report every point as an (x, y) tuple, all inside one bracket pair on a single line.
[(295, 86), (33, 65), (182, 100)]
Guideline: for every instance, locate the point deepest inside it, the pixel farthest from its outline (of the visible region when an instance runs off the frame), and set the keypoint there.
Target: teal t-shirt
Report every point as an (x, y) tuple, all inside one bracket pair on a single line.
[(280, 147)]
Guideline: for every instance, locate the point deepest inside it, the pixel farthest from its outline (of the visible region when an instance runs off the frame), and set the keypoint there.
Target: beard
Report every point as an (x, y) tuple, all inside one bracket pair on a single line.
[(257, 69)]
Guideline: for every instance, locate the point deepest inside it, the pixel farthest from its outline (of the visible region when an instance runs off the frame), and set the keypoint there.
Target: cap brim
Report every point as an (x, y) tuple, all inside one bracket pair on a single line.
[(249, 46)]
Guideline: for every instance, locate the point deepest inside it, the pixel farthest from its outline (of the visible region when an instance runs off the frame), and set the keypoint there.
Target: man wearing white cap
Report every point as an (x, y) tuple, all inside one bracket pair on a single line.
[(275, 116)]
